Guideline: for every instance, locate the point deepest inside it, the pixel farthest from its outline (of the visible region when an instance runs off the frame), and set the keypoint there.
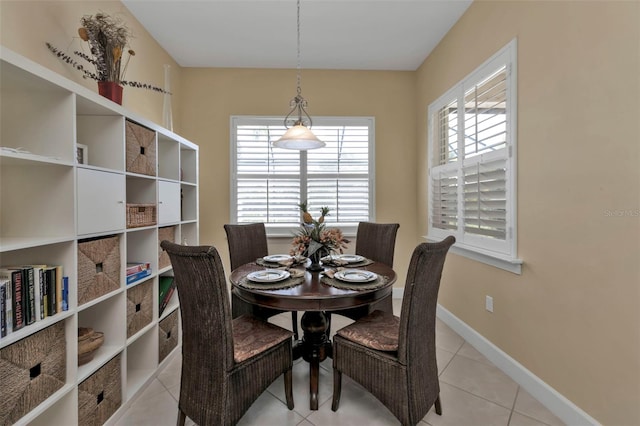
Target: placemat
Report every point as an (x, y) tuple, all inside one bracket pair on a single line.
[(279, 285), (381, 281), (260, 261), (365, 262)]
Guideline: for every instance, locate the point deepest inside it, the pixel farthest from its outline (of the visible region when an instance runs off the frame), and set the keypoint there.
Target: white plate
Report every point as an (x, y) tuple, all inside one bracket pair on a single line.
[(275, 258), (268, 275), (347, 258), (355, 276)]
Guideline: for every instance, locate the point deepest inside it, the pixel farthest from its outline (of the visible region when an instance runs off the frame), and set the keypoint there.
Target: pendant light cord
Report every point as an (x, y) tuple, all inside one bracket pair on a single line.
[(298, 66)]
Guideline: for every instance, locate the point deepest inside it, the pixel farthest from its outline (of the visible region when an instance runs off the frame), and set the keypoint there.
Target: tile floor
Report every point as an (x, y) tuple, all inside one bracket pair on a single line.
[(473, 392)]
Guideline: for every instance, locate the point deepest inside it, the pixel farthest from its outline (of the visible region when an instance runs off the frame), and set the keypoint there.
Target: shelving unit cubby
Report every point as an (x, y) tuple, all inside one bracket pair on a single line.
[(52, 204)]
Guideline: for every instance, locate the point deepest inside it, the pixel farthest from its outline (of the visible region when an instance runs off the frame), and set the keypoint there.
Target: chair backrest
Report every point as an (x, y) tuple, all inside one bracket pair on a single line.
[(246, 243), (377, 241), (207, 340), (416, 340)]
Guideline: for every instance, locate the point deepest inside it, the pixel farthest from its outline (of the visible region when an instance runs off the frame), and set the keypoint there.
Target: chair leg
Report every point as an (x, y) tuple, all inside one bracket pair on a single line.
[(294, 323), (337, 389), (181, 417), (438, 406), (288, 388)]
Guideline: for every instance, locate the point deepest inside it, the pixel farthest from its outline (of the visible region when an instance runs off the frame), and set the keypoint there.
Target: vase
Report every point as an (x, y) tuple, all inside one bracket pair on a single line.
[(316, 265), (110, 90)]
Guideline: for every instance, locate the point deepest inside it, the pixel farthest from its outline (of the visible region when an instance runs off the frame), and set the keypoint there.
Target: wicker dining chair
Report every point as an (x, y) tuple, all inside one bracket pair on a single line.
[(226, 364), (246, 244), (395, 358), (375, 241)]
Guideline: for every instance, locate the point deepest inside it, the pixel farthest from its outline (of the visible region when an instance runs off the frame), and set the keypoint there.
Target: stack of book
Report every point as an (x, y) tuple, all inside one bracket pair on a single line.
[(30, 293), (137, 271), (167, 287)]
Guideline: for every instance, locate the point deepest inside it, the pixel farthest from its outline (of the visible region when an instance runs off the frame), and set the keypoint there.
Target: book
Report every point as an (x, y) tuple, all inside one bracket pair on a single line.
[(166, 288), (30, 293), (138, 276), (65, 293), (8, 308), (49, 274), (135, 267), (3, 307), (17, 302), (58, 288)]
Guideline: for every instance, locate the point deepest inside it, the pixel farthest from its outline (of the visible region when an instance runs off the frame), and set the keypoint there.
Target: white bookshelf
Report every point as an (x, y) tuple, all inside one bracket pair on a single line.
[(50, 204)]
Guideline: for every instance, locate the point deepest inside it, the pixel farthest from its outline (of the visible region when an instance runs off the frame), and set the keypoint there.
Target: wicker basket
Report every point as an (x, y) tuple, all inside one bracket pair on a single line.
[(31, 369), (98, 267), (168, 335), (141, 215), (166, 233), (100, 395), (141, 149), (139, 307)]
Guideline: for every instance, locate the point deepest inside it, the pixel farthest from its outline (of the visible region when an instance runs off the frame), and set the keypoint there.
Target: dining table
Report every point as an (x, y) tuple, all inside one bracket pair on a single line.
[(316, 293)]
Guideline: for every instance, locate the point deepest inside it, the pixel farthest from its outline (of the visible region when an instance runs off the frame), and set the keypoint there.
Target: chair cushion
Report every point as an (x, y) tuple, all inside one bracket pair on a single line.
[(252, 336), (378, 330)]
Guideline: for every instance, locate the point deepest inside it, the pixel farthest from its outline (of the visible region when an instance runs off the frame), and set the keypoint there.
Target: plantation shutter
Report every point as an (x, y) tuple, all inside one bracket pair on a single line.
[(269, 183), (472, 136), (268, 180)]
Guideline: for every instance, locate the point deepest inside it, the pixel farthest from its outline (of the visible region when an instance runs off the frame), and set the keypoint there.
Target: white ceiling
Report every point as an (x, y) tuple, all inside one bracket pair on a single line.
[(335, 34)]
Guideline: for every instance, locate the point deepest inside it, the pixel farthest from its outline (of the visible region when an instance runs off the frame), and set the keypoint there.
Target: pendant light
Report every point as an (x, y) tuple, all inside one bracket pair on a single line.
[(299, 136)]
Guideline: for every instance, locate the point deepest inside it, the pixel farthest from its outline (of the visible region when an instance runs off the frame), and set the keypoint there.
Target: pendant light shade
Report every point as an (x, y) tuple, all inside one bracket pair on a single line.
[(299, 136)]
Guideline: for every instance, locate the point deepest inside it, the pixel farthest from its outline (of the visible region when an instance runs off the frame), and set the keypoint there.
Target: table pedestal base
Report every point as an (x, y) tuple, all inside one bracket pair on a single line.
[(314, 348)]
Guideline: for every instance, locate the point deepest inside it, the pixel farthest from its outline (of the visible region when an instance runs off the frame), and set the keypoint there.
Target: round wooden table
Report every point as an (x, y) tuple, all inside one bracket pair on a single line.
[(314, 298)]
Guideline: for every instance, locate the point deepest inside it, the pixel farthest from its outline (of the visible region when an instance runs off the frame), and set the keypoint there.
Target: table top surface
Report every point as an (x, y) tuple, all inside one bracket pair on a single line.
[(312, 295)]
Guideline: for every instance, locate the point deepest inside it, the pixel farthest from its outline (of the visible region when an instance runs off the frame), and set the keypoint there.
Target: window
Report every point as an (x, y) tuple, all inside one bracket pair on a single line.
[(472, 140), (268, 183)]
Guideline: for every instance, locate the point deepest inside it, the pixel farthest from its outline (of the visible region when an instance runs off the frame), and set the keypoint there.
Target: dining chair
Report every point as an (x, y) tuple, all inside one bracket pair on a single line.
[(226, 363), (248, 242), (395, 358), (375, 241)]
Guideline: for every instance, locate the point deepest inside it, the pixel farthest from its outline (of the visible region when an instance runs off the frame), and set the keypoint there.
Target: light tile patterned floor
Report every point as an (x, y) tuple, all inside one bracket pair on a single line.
[(473, 392)]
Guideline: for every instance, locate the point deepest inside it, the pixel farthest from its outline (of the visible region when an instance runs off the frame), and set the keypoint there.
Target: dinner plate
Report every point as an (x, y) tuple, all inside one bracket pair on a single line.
[(268, 275), (347, 258), (275, 258), (355, 276)]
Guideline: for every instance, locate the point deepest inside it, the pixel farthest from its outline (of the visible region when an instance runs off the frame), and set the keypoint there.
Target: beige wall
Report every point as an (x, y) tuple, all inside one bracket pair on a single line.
[(213, 95), (572, 317), (26, 25)]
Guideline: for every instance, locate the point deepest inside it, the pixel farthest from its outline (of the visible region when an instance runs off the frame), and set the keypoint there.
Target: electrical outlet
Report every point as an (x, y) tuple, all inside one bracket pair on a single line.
[(488, 303)]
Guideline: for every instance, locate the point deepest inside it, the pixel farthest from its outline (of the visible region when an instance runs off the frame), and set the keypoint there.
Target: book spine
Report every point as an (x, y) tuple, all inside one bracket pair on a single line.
[(167, 298), (45, 292), (138, 276), (65, 293), (9, 306), (18, 300), (31, 300), (58, 289), (3, 308), (51, 290), (138, 267), (42, 292)]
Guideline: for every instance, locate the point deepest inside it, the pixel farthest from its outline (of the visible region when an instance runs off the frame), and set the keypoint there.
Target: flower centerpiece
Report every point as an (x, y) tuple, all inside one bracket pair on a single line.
[(108, 40), (314, 241)]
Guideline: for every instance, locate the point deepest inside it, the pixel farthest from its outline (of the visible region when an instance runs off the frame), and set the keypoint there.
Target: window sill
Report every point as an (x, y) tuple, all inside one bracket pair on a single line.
[(488, 258)]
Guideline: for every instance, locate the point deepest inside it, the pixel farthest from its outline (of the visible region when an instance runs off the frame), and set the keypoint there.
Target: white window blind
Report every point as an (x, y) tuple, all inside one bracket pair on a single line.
[(472, 166), (268, 183)]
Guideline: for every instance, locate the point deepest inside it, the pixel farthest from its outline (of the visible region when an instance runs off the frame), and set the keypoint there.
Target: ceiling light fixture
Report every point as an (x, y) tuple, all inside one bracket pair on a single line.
[(299, 136)]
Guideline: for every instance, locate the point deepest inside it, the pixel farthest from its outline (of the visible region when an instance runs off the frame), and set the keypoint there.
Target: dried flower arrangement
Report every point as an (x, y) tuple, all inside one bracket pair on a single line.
[(108, 42)]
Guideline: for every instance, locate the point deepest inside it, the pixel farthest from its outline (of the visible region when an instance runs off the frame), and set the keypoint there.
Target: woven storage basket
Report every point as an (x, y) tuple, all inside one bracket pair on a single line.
[(168, 335), (141, 215), (141, 149), (31, 369), (98, 267), (100, 395), (166, 233), (139, 307)]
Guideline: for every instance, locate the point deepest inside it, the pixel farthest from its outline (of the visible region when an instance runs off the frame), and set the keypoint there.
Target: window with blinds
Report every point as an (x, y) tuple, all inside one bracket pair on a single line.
[(472, 166), (268, 183)]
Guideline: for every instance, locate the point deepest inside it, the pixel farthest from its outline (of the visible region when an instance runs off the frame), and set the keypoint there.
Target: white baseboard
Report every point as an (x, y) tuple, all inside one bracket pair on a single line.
[(564, 409)]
